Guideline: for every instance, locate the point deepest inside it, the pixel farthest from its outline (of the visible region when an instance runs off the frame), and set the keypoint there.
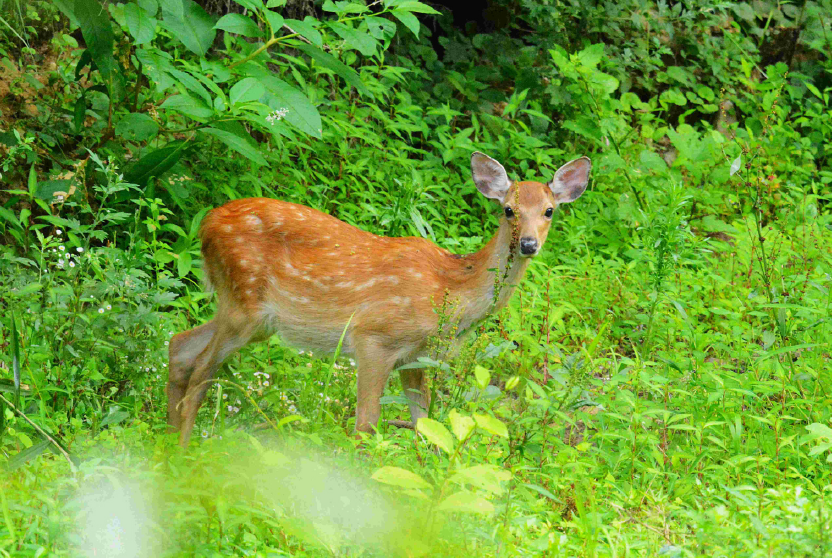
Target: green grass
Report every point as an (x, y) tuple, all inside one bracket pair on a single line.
[(660, 384)]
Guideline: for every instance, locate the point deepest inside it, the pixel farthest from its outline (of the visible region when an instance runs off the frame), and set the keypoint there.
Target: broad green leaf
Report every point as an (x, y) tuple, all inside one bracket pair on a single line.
[(195, 28), (253, 5), (23, 457), (191, 84), (395, 476), (142, 25), (461, 425), (673, 96), (359, 40), (408, 19), (591, 56), (236, 143), (306, 28), (184, 264), (814, 90), (114, 417), (188, 106), (482, 375), (80, 113), (436, 433), (301, 114), (487, 477), (155, 163), (466, 502), (381, 28), (491, 424), (175, 7), (275, 20), (136, 127), (33, 181), (331, 63), (651, 161), (248, 89), (98, 35), (413, 6), (239, 24), (150, 6), (606, 82), (15, 358), (68, 9)]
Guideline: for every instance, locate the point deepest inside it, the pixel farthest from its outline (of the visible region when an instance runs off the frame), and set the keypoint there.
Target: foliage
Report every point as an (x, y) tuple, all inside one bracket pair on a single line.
[(659, 385)]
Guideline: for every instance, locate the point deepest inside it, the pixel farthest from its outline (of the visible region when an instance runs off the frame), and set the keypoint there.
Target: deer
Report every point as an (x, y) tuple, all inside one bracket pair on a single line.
[(290, 270)]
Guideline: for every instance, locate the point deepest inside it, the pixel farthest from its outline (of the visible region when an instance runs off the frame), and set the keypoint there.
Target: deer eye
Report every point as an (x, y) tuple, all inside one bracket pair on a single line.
[(509, 212), (548, 212)]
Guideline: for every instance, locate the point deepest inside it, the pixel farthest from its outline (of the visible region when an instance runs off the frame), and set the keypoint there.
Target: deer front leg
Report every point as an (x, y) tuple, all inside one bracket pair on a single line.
[(374, 366), (415, 388), (225, 341), (183, 352)]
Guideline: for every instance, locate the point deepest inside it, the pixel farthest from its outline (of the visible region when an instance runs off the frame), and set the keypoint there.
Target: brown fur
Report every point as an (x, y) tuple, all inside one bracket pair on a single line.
[(279, 267)]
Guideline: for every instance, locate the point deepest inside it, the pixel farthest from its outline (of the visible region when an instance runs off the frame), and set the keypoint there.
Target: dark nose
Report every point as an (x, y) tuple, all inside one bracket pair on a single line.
[(528, 246)]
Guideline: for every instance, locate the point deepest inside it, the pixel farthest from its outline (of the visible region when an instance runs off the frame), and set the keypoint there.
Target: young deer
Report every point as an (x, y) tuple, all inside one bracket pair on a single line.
[(281, 268)]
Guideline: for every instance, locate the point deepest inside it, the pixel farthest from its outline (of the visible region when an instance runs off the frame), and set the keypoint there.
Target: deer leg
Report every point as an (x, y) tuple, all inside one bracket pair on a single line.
[(183, 351), (225, 341), (374, 366), (415, 388)]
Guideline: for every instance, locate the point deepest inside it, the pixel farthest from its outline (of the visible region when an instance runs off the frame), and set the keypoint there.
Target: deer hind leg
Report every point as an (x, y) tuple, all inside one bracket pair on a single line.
[(374, 365), (415, 388), (226, 340), (183, 351)]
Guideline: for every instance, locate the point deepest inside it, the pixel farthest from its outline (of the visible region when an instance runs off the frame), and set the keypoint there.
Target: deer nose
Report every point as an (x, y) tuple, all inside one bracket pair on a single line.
[(528, 246)]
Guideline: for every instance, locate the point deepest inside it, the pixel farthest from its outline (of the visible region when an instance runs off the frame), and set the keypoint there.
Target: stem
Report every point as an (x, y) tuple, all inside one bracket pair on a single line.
[(269, 43), (614, 143), (40, 430)]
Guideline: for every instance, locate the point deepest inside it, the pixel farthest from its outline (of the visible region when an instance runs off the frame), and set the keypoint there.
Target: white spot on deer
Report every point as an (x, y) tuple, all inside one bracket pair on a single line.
[(240, 239), (393, 280), (228, 228), (252, 279), (369, 283), (291, 269), (417, 275), (301, 217), (254, 221), (344, 284), (400, 300), (243, 263), (248, 292)]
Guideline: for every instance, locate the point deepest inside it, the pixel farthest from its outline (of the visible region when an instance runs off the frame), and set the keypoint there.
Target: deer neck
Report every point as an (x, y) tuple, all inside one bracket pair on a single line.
[(492, 275)]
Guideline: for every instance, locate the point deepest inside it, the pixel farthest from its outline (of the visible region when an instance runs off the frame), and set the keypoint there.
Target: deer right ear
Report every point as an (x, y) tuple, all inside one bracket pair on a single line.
[(489, 176)]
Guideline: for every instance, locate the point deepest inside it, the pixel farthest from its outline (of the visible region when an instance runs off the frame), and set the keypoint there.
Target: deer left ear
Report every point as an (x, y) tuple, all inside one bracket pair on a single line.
[(570, 180)]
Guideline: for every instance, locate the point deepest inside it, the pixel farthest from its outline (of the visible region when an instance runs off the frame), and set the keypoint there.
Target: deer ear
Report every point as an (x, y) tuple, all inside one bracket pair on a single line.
[(489, 176), (570, 180)]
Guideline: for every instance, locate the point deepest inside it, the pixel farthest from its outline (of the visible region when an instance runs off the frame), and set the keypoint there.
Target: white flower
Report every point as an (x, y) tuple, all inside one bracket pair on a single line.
[(277, 115), (266, 384), (71, 264), (79, 249), (204, 433), (61, 248), (100, 310), (109, 307), (59, 232)]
